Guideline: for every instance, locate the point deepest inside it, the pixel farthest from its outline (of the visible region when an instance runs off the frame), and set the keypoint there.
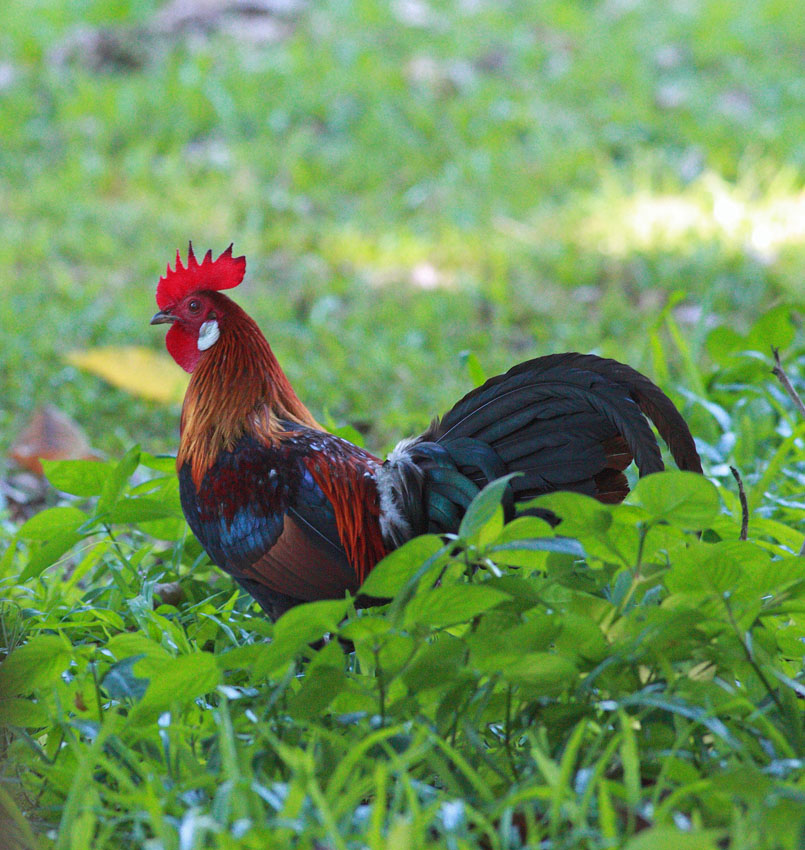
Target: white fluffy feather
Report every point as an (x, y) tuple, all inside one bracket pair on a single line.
[(391, 487)]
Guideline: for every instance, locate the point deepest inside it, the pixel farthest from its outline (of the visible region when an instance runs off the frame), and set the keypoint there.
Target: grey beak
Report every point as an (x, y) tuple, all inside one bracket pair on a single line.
[(162, 317)]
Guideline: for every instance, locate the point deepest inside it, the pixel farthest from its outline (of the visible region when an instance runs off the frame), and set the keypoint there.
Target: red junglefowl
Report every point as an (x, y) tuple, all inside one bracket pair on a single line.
[(294, 513)]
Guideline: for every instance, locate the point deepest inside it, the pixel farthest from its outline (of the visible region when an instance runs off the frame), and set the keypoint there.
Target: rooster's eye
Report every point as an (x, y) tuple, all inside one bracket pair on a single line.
[(194, 306)]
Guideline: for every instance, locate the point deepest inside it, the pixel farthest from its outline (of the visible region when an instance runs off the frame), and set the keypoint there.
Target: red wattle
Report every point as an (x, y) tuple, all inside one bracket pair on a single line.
[(183, 347)]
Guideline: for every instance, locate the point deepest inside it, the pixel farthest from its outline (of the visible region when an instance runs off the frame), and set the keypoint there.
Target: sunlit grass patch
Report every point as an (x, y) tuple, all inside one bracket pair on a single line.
[(760, 215)]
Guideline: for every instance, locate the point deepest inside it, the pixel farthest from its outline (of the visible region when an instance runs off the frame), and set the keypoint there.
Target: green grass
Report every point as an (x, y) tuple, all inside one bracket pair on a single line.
[(505, 145), (410, 183), (633, 680)]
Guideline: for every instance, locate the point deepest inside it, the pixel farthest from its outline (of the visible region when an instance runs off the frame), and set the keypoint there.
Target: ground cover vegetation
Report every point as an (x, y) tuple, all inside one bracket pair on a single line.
[(426, 192)]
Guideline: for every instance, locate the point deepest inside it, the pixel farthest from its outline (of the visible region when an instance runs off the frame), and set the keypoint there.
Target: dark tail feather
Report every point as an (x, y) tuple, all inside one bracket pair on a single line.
[(655, 404), (564, 422), (555, 385)]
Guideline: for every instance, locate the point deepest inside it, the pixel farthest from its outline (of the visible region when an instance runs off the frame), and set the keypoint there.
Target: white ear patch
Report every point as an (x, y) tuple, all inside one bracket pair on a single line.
[(208, 335)]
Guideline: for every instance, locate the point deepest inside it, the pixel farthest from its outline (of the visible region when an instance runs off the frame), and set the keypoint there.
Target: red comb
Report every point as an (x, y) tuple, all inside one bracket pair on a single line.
[(224, 273)]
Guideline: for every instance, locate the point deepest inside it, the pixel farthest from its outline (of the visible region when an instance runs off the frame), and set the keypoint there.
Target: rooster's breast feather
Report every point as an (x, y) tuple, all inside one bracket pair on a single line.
[(266, 515)]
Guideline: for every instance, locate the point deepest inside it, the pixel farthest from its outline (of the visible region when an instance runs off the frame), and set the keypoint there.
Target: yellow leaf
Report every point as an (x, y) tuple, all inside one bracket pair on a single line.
[(136, 369)]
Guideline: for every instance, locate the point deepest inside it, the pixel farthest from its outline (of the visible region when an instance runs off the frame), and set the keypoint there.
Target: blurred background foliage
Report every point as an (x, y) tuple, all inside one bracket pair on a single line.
[(409, 180)]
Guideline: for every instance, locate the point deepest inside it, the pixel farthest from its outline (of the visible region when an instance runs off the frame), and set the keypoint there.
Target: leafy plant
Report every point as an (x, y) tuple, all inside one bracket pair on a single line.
[(630, 678)]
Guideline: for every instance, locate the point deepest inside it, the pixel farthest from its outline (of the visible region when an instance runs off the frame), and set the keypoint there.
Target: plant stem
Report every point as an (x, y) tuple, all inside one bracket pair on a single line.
[(782, 377), (744, 504), (509, 754), (381, 684)]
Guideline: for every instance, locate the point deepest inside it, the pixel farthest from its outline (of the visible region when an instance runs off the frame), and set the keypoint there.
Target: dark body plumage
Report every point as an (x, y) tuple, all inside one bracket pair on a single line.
[(261, 515), (268, 513), (294, 513)]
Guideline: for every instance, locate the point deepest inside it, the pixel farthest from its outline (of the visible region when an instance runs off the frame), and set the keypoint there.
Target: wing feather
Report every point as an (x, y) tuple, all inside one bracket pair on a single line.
[(292, 522)]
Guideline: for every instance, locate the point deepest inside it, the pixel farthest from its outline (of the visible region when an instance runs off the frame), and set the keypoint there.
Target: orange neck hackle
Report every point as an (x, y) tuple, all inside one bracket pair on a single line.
[(237, 388)]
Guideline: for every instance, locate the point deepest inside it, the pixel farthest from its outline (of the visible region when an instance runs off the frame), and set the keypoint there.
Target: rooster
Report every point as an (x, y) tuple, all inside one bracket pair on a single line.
[(296, 514)]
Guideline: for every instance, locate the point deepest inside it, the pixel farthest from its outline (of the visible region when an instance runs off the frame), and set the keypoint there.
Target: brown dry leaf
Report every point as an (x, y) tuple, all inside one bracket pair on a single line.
[(51, 435), (140, 371)]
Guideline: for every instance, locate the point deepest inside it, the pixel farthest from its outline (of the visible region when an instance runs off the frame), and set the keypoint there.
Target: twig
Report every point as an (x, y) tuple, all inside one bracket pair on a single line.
[(744, 504), (750, 656), (781, 376)]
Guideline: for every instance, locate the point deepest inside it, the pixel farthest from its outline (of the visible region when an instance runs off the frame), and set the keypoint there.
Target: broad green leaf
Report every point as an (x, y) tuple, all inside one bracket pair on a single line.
[(365, 628), (581, 515), (524, 528), (116, 481), (729, 567), (455, 603), (121, 681), (141, 510), (318, 690), (128, 644), (745, 782), (435, 663), (582, 638), (778, 575), (519, 555), (522, 589), (395, 650), (331, 654), (308, 622), (159, 463), (140, 660), (240, 658), (484, 518), (533, 553), (79, 477), (722, 342), (7, 560), (501, 637), (34, 665), (178, 682), (773, 328), (56, 530), (394, 571), (47, 554), (543, 670), (681, 498), (297, 628), (170, 530), (791, 640), (22, 712), (52, 521)]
